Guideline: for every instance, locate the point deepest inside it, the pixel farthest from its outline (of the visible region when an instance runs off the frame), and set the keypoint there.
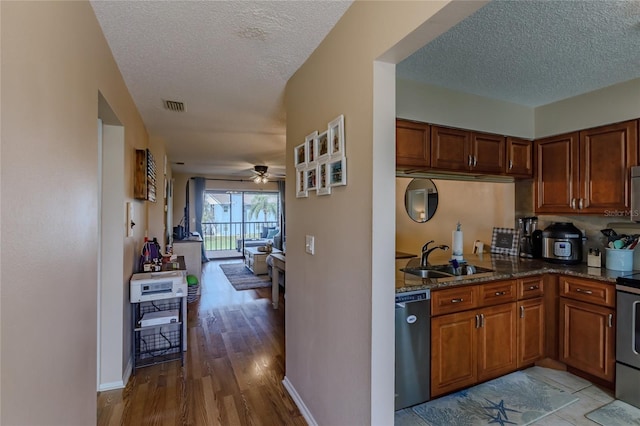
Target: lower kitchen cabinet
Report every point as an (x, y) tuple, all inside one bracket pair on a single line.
[(531, 336), (472, 346), (454, 362), (587, 338)]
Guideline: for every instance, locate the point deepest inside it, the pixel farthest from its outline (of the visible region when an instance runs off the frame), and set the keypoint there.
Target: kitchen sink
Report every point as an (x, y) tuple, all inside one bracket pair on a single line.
[(426, 272), (463, 269)]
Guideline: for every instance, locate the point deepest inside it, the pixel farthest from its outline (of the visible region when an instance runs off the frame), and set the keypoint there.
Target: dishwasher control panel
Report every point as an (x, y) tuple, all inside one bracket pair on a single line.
[(413, 296)]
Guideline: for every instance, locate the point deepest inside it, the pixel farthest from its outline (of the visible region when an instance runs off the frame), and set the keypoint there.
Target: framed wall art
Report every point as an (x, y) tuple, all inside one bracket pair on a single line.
[(323, 179), (336, 137), (323, 146), (312, 180), (301, 184), (505, 241), (338, 172), (300, 155), (312, 148)]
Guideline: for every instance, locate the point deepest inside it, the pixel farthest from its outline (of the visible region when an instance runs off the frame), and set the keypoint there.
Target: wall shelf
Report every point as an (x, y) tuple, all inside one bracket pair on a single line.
[(144, 182)]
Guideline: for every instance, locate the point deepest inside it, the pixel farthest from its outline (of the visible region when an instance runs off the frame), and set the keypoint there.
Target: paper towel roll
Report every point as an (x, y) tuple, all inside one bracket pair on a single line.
[(456, 245)]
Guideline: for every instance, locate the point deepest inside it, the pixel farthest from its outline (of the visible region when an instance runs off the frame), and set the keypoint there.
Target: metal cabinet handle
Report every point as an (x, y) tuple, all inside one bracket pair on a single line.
[(573, 203), (610, 320), (521, 311), (477, 321), (457, 300), (481, 320), (475, 161), (533, 287), (510, 164), (500, 293), (469, 161), (580, 204), (579, 290)]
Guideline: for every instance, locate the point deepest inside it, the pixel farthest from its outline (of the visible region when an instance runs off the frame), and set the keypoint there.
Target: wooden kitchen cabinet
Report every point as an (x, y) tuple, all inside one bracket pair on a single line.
[(586, 172), (519, 161), (531, 336), (586, 326), (412, 145), (472, 345), (465, 151), (531, 320)]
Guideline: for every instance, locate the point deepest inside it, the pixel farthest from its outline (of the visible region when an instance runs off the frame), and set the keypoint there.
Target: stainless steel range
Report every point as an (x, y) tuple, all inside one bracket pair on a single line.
[(628, 339)]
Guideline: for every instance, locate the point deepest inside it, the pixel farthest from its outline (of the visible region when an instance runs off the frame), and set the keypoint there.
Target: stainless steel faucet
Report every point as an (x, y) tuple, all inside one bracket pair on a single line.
[(426, 251)]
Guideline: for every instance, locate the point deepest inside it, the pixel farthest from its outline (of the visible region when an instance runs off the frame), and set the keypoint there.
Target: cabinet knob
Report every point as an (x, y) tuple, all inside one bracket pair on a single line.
[(457, 300), (533, 287), (579, 290), (500, 293)]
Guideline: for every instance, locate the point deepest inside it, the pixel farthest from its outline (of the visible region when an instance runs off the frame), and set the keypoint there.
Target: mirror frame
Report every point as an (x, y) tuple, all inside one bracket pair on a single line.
[(421, 199)]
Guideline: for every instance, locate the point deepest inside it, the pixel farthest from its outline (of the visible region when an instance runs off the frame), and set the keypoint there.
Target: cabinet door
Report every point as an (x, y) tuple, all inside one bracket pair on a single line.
[(556, 180), (487, 152), (519, 157), (530, 331), (587, 338), (497, 349), (453, 357), (412, 144), (450, 149), (606, 155)]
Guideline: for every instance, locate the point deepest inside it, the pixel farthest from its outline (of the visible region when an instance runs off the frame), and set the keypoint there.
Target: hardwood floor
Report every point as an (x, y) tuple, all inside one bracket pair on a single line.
[(233, 367)]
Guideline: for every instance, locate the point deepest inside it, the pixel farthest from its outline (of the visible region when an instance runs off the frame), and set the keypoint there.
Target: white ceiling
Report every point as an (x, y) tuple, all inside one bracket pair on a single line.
[(229, 62), (534, 52)]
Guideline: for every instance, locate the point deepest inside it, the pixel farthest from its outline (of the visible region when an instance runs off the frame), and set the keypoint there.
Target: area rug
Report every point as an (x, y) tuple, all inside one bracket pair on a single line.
[(616, 413), (242, 278), (514, 399)]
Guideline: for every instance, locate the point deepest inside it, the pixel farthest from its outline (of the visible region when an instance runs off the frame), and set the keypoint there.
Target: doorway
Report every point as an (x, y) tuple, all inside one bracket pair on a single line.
[(233, 220)]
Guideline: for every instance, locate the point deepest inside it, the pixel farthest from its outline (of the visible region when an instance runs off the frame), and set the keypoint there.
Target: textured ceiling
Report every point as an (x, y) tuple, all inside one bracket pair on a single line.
[(228, 61), (533, 52)]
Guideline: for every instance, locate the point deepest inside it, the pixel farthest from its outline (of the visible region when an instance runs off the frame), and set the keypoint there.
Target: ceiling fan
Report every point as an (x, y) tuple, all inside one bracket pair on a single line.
[(261, 174)]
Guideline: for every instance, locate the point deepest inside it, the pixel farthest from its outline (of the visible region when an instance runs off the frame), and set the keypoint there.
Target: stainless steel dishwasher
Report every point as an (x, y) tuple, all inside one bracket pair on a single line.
[(413, 348)]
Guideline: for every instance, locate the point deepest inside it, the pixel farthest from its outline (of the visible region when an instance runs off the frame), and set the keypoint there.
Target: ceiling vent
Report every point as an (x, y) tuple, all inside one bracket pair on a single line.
[(173, 105)]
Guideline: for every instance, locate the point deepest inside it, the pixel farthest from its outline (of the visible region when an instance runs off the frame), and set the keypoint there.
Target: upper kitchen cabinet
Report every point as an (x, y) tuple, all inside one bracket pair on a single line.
[(519, 158), (587, 171), (464, 151), (412, 145)]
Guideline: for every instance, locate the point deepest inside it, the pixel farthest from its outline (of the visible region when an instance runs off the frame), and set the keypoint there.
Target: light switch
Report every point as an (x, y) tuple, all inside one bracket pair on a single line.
[(129, 219), (309, 243)]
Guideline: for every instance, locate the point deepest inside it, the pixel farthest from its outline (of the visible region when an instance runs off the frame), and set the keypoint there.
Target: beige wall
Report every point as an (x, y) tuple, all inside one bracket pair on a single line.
[(612, 104), (54, 61), (437, 105), (479, 206), (330, 322)]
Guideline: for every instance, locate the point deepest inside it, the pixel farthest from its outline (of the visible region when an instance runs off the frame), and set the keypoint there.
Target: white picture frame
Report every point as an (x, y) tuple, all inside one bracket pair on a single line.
[(323, 146), (301, 184), (336, 137), (300, 155), (312, 148), (337, 172), (312, 178), (323, 179), (505, 241)]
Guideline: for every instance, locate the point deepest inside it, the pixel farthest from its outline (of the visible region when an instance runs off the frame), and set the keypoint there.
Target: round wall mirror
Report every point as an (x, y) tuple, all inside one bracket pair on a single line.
[(421, 199)]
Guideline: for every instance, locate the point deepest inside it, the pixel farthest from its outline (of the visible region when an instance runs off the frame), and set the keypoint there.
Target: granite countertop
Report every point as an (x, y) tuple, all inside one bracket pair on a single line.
[(504, 268)]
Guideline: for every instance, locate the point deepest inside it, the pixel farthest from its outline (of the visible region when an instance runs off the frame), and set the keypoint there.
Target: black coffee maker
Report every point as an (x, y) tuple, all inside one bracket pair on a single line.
[(530, 237)]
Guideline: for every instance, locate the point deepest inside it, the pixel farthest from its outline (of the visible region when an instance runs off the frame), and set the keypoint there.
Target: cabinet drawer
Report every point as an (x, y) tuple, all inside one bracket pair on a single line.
[(530, 287), (454, 300), (498, 292), (588, 291)]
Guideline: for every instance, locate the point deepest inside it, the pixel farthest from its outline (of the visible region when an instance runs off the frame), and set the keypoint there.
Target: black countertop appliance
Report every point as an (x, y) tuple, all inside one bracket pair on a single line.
[(562, 243)]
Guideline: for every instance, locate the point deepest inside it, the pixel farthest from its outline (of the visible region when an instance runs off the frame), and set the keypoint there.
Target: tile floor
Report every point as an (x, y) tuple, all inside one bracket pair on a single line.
[(590, 397)]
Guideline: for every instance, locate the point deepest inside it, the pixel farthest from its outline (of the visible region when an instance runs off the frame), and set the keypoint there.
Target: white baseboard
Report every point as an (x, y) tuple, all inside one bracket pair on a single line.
[(299, 402), (120, 383)]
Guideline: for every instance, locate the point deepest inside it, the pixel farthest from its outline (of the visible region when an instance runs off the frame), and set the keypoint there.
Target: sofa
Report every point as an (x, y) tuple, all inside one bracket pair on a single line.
[(268, 234)]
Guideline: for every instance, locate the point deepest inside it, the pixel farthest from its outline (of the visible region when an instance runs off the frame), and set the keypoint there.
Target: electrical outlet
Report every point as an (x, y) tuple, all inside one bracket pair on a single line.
[(309, 244)]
